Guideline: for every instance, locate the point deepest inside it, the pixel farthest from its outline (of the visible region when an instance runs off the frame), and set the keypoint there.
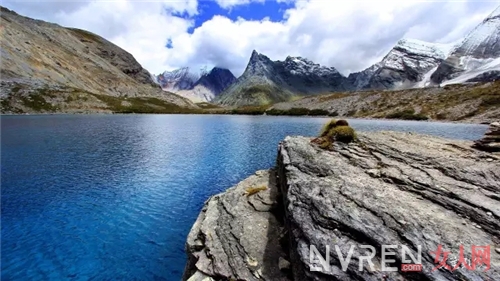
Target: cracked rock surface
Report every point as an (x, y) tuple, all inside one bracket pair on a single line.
[(237, 237), (392, 189)]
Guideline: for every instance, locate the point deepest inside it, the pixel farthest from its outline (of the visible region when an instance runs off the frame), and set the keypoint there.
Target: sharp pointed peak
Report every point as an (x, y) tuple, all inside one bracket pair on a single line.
[(256, 56)]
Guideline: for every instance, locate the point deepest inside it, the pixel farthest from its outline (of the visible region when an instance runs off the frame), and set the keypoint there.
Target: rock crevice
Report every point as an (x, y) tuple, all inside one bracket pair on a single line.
[(389, 189)]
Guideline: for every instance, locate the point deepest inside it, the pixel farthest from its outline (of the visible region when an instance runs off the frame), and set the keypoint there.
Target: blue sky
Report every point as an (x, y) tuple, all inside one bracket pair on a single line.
[(252, 11), (348, 35)]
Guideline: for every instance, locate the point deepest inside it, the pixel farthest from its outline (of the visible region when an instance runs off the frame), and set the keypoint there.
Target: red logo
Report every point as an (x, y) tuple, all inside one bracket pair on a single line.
[(480, 257)]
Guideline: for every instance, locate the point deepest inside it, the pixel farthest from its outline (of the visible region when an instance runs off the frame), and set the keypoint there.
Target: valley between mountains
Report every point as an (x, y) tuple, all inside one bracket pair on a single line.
[(47, 68)]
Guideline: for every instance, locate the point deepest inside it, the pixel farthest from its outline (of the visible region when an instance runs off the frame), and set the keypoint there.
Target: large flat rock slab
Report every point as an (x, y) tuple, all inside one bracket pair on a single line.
[(390, 189)]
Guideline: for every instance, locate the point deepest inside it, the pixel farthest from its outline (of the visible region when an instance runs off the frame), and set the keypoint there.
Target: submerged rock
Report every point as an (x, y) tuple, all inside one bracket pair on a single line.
[(389, 189)]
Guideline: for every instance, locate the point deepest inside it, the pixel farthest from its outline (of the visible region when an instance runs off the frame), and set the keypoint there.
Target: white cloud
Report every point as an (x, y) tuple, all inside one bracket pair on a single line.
[(228, 4), (349, 35)]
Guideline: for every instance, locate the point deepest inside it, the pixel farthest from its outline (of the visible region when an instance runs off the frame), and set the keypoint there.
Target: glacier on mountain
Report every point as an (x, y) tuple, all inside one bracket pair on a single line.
[(475, 56)]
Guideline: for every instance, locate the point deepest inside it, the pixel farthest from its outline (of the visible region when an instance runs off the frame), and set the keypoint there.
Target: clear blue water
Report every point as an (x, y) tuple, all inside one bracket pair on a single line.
[(112, 197)]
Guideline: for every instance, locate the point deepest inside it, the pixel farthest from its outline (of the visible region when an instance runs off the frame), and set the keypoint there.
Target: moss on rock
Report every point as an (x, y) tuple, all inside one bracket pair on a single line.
[(335, 130), (344, 134), (327, 127)]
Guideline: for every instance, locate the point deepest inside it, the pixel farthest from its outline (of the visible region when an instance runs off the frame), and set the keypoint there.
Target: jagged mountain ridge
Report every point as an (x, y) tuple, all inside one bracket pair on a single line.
[(406, 64), (197, 88), (477, 55), (265, 81), (47, 67), (409, 64)]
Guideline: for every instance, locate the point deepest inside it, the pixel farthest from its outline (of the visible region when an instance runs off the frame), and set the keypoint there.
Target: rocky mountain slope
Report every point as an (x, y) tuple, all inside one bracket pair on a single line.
[(177, 80), (265, 81), (49, 68), (390, 188), (197, 88), (467, 103), (409, 62), (416, 64), (477, 58)]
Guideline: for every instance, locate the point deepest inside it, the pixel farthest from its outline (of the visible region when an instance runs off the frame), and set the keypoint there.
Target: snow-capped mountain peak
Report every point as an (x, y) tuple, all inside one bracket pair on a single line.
[(478, 49), (198, 87), (483, 41), (300, 65), (176, 80), (437, 50)]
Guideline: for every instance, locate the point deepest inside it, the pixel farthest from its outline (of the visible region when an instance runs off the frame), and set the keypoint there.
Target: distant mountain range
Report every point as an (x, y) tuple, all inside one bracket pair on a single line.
[(197, 88), (50, 68), (410, 64)]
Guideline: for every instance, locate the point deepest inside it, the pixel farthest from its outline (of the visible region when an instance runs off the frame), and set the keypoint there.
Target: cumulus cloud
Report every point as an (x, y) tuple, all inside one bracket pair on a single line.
[(349, 35)]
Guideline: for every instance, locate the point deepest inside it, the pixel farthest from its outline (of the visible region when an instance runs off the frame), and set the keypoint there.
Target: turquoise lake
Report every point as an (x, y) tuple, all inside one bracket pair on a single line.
[(113, 197)]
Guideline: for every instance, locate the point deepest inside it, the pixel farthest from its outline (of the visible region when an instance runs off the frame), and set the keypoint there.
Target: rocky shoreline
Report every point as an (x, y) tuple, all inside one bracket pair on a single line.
[(390, 188)]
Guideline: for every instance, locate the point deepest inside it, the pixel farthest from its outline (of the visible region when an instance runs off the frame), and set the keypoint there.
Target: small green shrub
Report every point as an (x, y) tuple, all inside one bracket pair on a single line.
[(250, 110), (296, 111), (327, 127), (490, 100), (351, 112), (344, 134), (142, 105), (319, 112), (441, 116), (407, 114), (37, 102), (252, 190), (335, 130)]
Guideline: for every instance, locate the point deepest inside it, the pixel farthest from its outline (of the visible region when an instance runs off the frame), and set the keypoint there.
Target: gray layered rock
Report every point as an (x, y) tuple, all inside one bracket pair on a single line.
[(491, 139), (389, 189), (393, 189), (237, 235), (361, 79)]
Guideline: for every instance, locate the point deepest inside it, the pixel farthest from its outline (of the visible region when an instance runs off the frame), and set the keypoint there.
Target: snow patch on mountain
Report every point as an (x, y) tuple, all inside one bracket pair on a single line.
[(177, 80), (303, 66), (416, 54), (486, 33), (486, 65), (199, 93), (426, 48), (202, 87), (426, 81)]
